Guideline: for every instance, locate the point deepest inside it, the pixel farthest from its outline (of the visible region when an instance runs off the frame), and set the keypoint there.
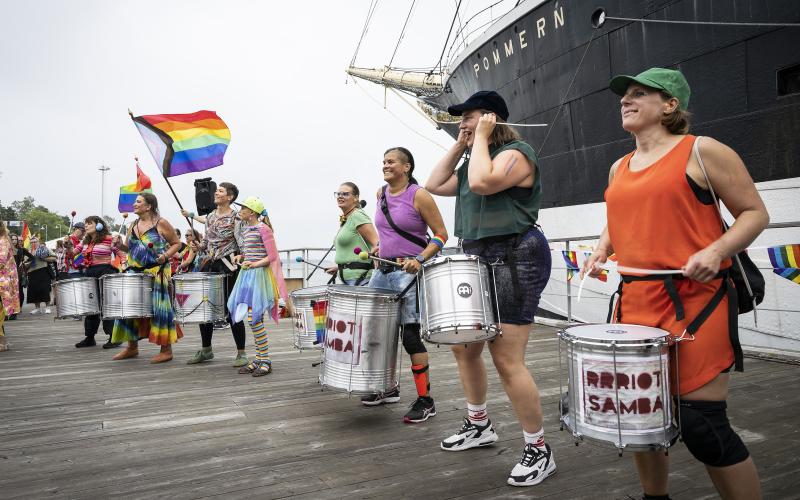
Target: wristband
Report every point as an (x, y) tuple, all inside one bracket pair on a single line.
[(438, 241)]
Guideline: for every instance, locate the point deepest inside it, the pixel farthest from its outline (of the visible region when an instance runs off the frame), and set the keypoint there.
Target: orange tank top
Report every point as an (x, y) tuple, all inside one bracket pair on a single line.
[(655, 220)]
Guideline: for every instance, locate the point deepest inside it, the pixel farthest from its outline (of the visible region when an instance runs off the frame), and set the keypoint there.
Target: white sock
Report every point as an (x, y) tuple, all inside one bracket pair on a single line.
[(477, 414), (535, 438)]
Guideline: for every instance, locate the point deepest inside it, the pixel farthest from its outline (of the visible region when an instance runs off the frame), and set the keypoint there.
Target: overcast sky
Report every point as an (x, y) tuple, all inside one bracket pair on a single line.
[(274, 71)]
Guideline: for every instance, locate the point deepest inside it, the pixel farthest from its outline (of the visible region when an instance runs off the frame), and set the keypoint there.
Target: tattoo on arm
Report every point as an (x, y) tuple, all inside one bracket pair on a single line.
[(510, 165)]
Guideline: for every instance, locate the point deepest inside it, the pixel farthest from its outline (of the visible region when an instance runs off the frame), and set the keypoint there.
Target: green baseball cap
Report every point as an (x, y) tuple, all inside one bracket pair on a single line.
[(669, 80), (253, 203)]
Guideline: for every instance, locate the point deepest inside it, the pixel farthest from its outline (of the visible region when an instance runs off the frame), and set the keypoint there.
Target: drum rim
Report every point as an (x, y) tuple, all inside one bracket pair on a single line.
[(455, 257), (673, 433), (622, 340), (349, 290), (82, 278), (196, 276), (126, 275), (299, 292)]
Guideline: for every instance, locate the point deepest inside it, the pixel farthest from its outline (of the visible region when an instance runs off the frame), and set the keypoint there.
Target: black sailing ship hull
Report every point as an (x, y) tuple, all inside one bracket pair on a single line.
[(745, 82)]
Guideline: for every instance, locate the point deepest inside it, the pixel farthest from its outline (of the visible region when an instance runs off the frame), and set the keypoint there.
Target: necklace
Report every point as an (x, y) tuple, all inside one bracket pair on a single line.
[(343, 217)]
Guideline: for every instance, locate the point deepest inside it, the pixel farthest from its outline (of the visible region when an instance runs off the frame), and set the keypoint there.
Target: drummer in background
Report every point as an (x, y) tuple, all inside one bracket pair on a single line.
[(355, 231), (176, 259), (661, 215), (97, 249), (260, 284), (151, 242), (191, 258), (222, 241), (498, 194), (75, 238), (411, 211)]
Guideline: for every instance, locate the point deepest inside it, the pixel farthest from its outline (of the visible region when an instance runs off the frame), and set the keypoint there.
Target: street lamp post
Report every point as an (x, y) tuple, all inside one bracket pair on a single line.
[(103, 169)]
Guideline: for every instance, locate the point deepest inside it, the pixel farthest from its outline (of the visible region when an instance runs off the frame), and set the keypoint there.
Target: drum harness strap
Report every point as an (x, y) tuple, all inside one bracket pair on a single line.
[(354, 265), (725, 288)]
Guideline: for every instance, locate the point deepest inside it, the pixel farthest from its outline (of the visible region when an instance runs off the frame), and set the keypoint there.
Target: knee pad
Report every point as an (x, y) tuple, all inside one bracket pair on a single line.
[(708, 435), (412, 343)]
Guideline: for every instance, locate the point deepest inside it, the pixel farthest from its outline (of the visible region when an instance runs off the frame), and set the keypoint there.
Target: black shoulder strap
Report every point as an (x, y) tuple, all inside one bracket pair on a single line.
[(410, 237)]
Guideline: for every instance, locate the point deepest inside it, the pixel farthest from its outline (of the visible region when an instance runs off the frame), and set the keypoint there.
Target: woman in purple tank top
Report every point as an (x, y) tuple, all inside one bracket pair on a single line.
[(404, 214)]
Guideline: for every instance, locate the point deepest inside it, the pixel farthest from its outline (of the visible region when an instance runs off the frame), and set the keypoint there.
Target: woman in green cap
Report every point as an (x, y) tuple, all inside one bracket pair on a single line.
[(662, 215)]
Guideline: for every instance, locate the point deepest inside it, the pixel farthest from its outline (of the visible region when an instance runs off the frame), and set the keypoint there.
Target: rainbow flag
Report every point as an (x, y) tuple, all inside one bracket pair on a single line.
[(184, 143), (785, 261), (25, 236), (129, 192), (571, 260), (320, 309)]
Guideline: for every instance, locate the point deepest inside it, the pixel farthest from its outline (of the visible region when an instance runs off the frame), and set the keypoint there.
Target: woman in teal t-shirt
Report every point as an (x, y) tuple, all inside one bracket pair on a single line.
[(355, 231)]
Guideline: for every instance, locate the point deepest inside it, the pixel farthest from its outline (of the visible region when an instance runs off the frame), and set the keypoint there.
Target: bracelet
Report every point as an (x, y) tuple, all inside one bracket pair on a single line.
[(438, 241)]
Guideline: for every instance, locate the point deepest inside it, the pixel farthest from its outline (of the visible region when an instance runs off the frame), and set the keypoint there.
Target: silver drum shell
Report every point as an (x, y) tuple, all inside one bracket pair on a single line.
[(457, 301), (629, 357), (304, 329), (127, 296), (77, 297), (371, 366), (198, 297)]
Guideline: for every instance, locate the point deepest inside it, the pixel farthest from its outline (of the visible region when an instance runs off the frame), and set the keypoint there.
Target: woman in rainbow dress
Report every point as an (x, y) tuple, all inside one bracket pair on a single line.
[(152, 241)]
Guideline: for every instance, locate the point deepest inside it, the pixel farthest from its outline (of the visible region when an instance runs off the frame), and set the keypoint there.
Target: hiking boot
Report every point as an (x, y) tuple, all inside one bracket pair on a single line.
[(201, 356), (422, 409), (535, 466), (470, 436), (392, 396)]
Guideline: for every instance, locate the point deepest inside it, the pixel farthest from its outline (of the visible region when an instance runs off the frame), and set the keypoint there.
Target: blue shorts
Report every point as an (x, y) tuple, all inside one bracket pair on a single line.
[(398, 281), (517, 307)]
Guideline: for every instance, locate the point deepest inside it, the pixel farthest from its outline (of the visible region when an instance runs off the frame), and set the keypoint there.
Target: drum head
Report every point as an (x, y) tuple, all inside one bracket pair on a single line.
[(619, 332), (75, 280)]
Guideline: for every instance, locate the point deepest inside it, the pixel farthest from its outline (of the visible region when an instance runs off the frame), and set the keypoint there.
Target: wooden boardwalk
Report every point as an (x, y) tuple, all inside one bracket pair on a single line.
[(74, 424)]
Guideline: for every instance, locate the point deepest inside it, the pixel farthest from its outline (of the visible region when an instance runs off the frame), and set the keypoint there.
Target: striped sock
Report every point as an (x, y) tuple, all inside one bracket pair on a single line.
[(477, 414), (535, 438), (261, 341)]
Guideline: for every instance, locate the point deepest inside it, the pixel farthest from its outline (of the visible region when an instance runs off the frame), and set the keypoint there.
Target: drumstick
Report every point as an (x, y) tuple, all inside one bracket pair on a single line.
[(300, 259), (365, 256)]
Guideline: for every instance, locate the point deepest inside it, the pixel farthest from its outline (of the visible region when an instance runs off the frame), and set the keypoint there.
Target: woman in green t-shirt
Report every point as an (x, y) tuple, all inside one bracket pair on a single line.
[(355, 230)]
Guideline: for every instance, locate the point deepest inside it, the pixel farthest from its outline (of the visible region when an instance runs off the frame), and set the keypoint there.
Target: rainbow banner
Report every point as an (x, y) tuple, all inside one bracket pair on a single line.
[(129, 192), (785, 260), (320, 309), (184, 143), (571, 260)]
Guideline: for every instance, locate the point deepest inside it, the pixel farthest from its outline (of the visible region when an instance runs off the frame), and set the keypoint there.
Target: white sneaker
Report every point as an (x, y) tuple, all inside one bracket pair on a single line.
[(470, 436), (35, 312), (47, 311), (534, 467)]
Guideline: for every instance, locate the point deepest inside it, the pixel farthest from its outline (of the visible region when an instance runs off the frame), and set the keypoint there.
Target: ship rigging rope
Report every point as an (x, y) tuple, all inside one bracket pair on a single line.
[(402, 32), (373, 4), (453, 23), (569, 87), (711, 23)]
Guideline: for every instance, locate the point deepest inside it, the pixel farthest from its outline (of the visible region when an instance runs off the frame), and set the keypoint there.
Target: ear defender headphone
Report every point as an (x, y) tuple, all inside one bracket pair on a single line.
[(99, 226)]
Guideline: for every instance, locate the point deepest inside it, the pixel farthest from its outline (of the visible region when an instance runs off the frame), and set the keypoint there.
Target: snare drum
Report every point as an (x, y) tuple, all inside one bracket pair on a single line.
[(77, 297), (361, 340), (127, 296), (198, 297), (458, 300), (310, 316), (618, 385)]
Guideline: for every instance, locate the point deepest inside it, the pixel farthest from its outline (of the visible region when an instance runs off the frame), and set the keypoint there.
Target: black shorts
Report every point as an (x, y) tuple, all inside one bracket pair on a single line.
[(533, 263)]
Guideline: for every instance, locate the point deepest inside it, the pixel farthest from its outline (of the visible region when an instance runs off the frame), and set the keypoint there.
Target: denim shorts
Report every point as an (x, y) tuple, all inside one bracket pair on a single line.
[(398, 281), (517, 307)]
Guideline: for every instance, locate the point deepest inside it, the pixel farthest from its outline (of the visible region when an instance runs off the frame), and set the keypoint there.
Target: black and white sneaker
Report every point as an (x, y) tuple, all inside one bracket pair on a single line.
[(422, 409), (534, 467), (392, 396), (470, 436)]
